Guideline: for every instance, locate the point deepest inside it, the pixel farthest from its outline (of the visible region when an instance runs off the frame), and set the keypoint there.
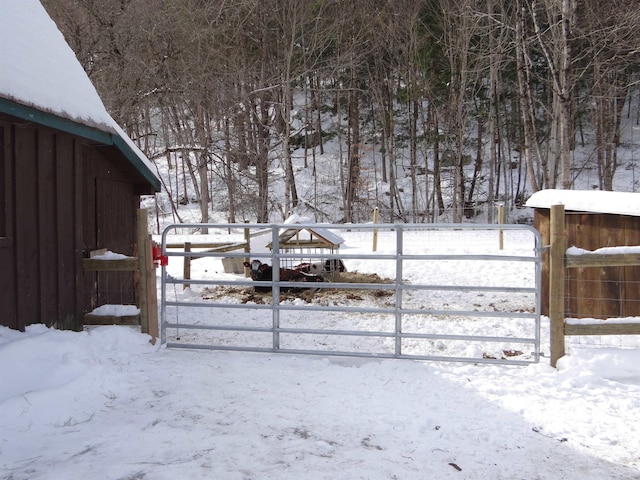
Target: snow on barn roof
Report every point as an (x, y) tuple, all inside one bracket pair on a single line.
[(594, 201), (42, 81)]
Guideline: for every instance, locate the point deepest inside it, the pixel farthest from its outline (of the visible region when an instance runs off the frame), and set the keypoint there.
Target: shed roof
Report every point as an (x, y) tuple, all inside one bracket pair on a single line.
[(593, 201), (41, 81)]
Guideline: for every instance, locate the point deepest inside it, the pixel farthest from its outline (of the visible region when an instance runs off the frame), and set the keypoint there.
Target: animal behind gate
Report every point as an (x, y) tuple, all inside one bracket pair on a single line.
[(262, 272), (331, 265)]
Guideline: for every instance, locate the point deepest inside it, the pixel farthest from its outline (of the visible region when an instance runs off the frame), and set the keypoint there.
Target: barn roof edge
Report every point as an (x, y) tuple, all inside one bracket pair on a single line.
[(31, 114)]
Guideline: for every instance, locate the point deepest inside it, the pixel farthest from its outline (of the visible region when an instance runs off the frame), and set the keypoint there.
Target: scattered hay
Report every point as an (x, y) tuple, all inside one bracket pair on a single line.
[(307, 293), (357, 277), (505, 355)]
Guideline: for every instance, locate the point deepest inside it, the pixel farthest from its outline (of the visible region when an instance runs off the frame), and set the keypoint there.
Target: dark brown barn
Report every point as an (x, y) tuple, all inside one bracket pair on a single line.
[(70, 180), (593, 220)]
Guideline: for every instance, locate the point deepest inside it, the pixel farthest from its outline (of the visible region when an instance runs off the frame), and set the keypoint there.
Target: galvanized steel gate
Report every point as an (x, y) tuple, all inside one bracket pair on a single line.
[(466, 293)]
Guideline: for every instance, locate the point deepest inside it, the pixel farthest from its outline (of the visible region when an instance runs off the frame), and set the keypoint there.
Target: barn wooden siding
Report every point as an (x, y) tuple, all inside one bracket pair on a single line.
[(599, 293), (64, 197)]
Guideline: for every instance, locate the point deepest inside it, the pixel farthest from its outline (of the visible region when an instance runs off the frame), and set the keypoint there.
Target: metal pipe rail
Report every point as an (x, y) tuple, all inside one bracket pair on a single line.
[(400, 312)]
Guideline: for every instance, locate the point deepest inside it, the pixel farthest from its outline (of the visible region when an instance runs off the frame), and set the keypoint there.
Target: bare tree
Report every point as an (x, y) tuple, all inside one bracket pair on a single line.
[(554, 24), (608, 32), (461, 27), (211, 88)]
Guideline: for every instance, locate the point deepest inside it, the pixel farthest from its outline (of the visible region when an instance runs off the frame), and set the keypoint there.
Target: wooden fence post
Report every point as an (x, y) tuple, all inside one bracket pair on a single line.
[(375, 230), (556, 283), (247, 249), (501, 222), (147, 293), (142, 270), (187, 266)]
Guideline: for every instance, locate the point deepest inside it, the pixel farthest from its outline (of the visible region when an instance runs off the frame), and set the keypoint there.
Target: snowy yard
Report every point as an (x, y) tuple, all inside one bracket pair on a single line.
[(105, 404)]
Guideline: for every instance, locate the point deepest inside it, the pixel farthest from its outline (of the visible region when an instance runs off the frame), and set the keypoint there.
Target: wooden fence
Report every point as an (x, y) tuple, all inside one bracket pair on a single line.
[(245, 245), (559, 262), (146, 289)]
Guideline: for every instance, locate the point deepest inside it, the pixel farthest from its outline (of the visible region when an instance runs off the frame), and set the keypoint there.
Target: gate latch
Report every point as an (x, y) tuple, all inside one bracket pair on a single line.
[(159, 260)]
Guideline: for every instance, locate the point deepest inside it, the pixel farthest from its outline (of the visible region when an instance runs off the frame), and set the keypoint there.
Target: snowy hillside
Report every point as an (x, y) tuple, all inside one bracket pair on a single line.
[(320, 183)]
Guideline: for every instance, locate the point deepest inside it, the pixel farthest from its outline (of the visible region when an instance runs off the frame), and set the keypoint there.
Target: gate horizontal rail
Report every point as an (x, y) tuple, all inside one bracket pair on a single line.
[(403, 326)]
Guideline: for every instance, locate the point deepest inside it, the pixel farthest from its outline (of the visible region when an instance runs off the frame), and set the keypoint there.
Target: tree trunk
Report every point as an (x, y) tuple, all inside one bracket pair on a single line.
[(566, 91), (525, 100), (353, 171), (413, 158), (228, 172), (437, 178)]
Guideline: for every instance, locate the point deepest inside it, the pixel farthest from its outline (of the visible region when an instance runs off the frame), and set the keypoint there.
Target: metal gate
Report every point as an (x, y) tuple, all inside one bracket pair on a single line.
[(464, 293)]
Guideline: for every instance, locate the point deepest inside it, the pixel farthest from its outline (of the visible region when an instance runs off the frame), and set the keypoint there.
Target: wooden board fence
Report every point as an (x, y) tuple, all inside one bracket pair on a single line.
[(147, 296), (212, 247), (559, 262)]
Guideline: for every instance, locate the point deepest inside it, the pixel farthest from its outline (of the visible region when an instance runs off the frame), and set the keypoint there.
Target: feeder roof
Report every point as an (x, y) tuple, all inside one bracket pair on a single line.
[(308, 234)]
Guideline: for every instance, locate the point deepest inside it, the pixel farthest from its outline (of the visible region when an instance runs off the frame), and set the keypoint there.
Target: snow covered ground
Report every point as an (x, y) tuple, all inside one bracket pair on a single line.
[(106, 404)]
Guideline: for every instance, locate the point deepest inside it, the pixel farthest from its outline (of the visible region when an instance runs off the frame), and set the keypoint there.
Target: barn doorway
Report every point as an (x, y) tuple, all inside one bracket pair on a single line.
[(115, 227)]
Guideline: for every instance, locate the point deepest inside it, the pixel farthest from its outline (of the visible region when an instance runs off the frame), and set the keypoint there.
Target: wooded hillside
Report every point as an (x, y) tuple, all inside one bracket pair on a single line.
[(473, 100)]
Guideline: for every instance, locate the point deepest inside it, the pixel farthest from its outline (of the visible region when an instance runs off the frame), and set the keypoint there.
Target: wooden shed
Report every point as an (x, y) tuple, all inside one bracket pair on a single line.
[(593, 220), (70, 179)]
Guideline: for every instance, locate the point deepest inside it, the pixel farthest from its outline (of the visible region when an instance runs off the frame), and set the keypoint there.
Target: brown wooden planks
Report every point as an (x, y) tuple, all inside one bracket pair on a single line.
[(541, 222), (610, 278), (596, 291), (69, 244), (610, 328), (49, 219), (47, 238), (631, 274), (26, 231), (8, 305)]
